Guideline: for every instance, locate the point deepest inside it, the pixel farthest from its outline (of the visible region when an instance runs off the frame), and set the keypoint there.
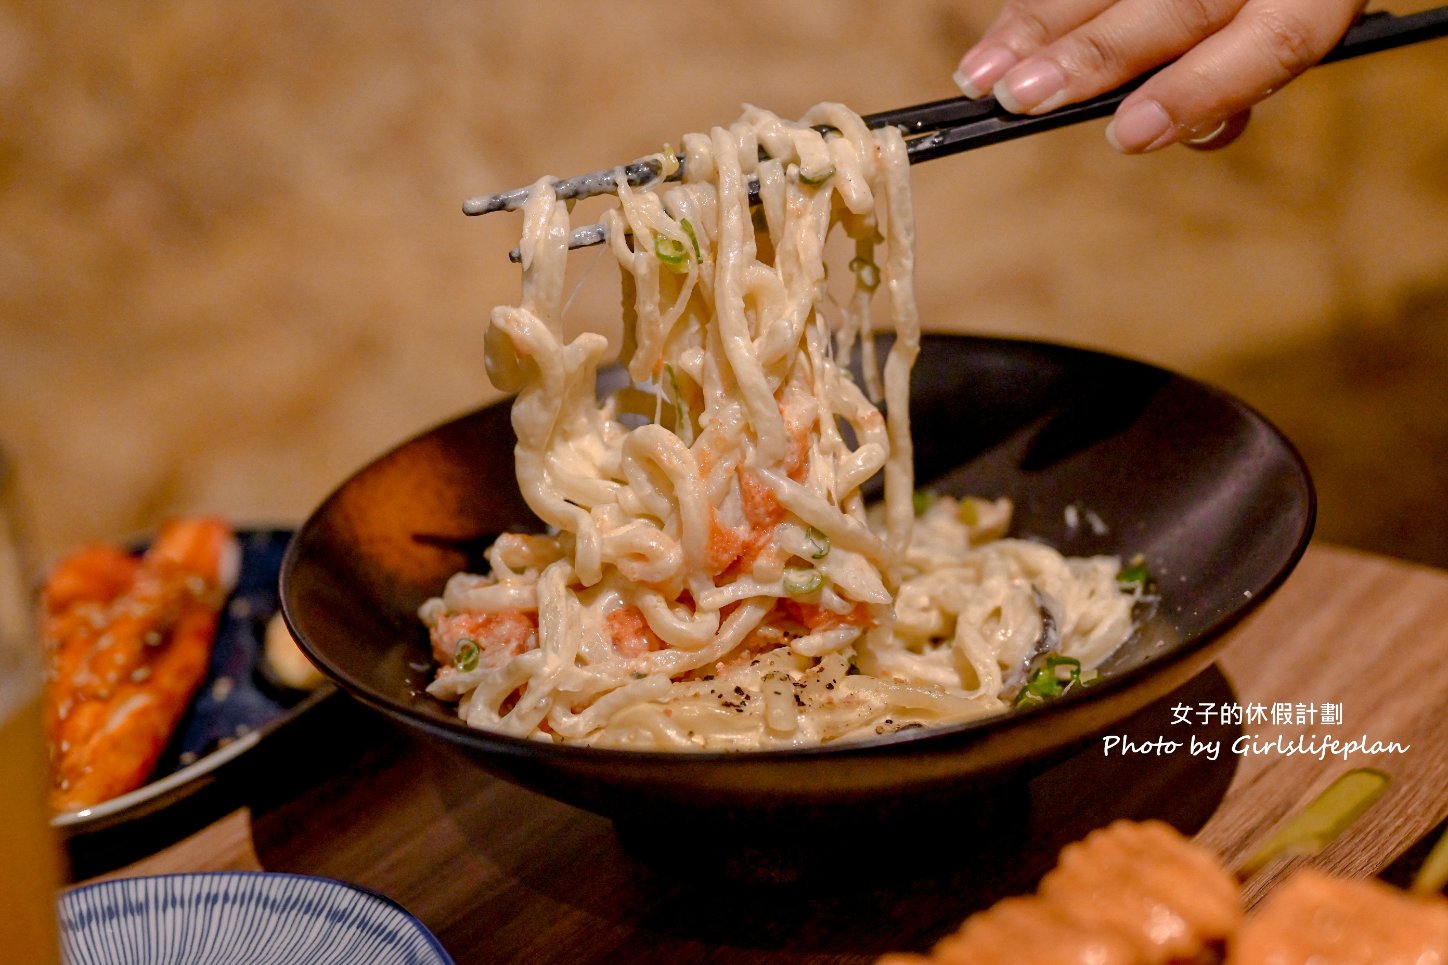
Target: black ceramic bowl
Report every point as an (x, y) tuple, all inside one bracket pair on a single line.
[(1213, 497)]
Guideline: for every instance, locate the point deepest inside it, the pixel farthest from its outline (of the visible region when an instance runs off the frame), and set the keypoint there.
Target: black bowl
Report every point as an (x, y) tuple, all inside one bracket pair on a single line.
[(1215, 498)]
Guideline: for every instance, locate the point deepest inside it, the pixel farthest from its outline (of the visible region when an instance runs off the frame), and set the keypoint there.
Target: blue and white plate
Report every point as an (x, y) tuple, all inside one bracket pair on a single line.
[(232, 916)]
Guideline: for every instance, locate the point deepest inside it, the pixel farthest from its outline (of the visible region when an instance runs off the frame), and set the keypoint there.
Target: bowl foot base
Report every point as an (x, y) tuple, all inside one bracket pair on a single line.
[(836, 848)]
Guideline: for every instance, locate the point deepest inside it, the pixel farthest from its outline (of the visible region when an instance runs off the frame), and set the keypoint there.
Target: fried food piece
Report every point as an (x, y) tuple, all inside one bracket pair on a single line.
[(1167, 897), (1032, 931), (1340, 921), (128, 642), (1141, 894), (1127, 894)]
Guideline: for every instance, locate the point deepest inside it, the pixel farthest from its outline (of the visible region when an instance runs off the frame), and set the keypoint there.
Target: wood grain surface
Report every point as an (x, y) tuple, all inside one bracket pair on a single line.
[(1369, 634), (501, 874)]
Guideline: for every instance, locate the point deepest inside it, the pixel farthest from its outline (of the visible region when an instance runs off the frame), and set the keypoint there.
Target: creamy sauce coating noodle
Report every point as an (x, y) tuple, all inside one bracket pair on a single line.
[(713, 578)]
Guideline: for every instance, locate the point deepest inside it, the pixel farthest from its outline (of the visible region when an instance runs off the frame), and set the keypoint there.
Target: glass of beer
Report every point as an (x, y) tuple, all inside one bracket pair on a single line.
[(32, 855)]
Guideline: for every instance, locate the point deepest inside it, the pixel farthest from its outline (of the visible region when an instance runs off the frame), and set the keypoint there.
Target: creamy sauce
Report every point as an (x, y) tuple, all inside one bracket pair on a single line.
[(713, 579)]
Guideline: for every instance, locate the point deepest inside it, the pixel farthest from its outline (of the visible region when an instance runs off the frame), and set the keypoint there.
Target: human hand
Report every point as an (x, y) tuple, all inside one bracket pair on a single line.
[(1039, 55)]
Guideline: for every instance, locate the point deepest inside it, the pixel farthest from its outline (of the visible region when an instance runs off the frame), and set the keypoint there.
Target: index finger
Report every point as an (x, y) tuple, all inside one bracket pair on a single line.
[(1020, 29), (1122, 42)]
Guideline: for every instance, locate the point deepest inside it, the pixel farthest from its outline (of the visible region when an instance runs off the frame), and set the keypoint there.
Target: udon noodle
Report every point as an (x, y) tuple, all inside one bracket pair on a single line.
[(712, 577)]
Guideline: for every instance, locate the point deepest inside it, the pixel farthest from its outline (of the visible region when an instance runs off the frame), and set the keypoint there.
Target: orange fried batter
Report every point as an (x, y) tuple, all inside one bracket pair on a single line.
[(128, 642), (1128, 894)]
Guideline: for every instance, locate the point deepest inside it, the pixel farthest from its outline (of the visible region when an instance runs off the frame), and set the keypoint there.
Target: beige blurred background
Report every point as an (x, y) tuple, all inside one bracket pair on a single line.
[(233, 267)]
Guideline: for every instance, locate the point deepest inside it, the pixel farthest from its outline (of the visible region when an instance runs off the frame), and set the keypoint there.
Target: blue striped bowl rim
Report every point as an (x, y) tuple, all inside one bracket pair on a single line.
[(262, 918)]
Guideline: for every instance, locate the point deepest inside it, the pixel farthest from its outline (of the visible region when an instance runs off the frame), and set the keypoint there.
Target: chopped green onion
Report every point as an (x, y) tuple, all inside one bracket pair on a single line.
[(1134, 575), (1045, 683), (819, 178), (671, 252), (967, 512), (1433, 875), (867, 272), (819, 543), (1329, 814), (799, 582), (466, 656), (922, 500), (683, 427), (693, 239)]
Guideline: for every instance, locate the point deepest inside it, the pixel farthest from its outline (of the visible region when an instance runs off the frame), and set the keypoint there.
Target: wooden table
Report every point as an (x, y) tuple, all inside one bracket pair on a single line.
[(501, 874)]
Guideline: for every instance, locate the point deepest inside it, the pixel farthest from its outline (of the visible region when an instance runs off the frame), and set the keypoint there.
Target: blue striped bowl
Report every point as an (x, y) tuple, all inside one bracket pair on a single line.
[(231, 916)]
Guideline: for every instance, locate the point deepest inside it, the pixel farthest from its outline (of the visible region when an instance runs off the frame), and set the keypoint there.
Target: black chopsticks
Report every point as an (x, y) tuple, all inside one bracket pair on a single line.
[(953, 127), (959, 124)]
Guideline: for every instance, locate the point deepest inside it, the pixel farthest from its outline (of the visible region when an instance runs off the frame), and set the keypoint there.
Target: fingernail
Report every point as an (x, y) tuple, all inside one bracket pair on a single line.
[(1199, 138), (1138, 127), (980, 68), (1034, 87)]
